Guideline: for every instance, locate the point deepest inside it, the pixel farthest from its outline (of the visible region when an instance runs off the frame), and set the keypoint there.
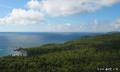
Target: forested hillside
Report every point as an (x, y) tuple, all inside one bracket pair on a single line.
[(100, 53)]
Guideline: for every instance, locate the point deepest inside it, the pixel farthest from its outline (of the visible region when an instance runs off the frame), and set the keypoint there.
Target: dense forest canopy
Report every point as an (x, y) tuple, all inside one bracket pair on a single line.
[(88, 54)]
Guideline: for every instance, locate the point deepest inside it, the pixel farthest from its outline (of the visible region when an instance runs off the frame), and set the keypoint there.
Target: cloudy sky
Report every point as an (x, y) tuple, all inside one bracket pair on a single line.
[(59, 15)]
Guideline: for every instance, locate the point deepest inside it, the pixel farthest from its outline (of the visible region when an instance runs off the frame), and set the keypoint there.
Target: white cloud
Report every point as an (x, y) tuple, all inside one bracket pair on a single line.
[(21, 16), (36, 9), (117, 24), (68, 7), (67, 27), (103, 26), (34, 4), (31, 15)]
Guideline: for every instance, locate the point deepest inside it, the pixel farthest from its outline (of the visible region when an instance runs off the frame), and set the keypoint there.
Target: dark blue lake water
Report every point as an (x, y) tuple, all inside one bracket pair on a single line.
[(12, 40)]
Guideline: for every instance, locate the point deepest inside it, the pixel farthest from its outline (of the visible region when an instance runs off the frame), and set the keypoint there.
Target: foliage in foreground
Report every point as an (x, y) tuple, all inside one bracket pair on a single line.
[(87, 54)]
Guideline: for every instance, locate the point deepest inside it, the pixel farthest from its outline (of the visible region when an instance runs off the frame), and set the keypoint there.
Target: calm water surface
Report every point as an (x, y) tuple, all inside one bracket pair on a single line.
[(12, 40)]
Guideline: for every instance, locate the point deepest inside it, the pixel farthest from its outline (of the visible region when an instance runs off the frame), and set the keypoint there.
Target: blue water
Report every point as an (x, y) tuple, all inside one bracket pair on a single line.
[(9, 41)]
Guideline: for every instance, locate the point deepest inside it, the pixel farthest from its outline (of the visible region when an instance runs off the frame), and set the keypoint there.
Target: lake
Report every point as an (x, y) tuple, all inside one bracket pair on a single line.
[(9, 41)]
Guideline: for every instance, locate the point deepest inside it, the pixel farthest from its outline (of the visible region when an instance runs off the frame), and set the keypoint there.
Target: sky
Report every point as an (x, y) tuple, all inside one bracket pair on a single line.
[(59, 15)]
